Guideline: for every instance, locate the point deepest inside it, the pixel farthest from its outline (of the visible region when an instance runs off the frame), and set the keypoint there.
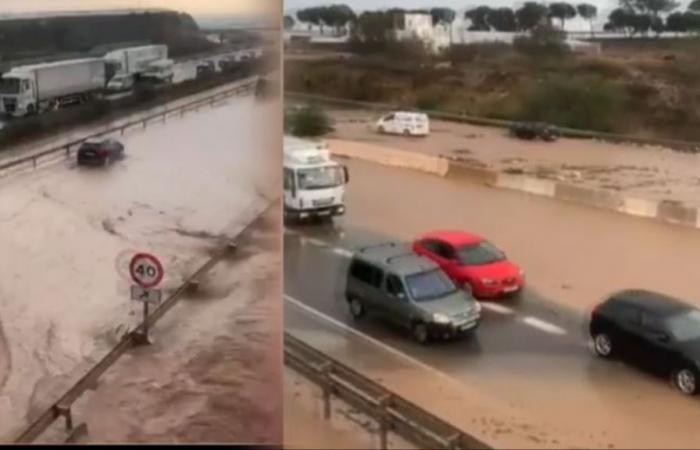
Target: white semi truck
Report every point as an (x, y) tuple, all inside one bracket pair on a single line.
[(31, 89), (134, 61), (314, 184)]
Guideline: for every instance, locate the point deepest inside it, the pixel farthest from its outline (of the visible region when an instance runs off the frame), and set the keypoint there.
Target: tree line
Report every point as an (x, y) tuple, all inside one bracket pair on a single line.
[(631, 17)]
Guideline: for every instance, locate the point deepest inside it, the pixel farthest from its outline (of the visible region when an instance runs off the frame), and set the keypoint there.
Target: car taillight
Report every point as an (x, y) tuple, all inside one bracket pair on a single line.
[(102, 152)]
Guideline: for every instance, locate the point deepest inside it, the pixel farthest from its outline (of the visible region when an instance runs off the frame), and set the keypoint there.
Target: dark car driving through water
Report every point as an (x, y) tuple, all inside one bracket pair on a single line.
[(653, 331), (100, 153)]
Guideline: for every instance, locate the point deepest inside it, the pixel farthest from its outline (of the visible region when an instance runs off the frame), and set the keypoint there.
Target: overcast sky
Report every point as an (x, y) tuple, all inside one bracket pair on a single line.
[(195, 7)]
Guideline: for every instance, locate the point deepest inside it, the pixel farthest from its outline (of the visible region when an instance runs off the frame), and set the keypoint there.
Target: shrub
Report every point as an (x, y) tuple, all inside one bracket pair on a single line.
[(543, 41), (309, 121), (590, 104), (465, 53)]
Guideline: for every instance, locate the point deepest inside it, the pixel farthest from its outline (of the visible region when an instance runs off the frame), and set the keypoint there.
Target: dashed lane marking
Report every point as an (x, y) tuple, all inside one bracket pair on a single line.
[(342, 252), (543, 325), (314, 241), (500, 309)]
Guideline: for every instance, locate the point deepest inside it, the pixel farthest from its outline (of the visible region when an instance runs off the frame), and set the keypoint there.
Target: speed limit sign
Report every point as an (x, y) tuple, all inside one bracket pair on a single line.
[(145, 270)]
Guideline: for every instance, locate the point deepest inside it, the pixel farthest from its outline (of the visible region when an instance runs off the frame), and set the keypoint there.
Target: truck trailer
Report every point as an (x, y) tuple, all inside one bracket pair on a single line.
[(31, 89), (134, 61)]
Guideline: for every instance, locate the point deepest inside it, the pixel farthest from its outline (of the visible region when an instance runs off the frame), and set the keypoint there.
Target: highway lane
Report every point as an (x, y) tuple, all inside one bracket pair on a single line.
[(520, 353)]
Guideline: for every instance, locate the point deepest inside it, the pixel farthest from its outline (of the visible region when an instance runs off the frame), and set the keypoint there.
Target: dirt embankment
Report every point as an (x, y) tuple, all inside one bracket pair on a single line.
[(645, 92)]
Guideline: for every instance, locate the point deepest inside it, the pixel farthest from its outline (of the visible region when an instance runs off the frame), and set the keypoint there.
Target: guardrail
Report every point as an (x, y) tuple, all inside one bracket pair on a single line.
[(392, 412), (683, 146), (241, 86), (62, 407)]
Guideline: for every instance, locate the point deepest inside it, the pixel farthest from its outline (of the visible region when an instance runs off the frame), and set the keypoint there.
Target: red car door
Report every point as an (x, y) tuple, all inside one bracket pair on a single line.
[(442, 253)]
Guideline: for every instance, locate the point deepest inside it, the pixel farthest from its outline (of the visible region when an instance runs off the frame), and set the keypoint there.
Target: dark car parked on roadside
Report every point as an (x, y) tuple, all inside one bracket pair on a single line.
[(652, 331), (100, 153), (535, 130)]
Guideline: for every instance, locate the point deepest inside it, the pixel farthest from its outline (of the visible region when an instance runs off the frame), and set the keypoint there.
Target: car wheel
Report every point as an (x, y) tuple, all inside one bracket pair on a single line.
[(381, 130), (602, 345), (406, 132), (686, 381), (357, 309), (420, 333)]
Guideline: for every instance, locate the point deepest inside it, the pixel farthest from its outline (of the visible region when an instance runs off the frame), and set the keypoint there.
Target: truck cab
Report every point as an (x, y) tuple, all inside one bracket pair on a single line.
[(161, 71), (314, 184), (17, 94)]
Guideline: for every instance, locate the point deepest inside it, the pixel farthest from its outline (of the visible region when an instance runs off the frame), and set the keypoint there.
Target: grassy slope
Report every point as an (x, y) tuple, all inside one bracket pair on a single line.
[(629, 90)]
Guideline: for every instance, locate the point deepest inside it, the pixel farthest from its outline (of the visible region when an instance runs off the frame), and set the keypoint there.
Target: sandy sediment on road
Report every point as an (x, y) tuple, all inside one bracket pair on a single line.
[(306, 428), (67, 235), (645, 172), (214, 372), (489, 417)]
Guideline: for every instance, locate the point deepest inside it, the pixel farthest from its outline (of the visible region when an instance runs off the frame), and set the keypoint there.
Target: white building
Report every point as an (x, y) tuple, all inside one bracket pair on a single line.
[(420, 26)]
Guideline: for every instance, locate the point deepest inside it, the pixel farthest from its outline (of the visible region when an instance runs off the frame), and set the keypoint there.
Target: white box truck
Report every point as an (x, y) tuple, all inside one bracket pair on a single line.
[(314, 184), (35, 88), (134, 60), (161, 71)]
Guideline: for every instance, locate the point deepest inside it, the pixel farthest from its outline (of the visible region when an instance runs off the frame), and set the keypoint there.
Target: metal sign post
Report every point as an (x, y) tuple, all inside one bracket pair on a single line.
[(146, 271)]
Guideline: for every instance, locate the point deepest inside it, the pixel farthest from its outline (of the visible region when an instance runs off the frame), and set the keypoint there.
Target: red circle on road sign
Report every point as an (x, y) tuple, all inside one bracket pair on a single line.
[(145, 270)]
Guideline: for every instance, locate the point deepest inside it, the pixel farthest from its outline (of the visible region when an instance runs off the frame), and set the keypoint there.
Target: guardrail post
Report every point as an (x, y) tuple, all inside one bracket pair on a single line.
[(383, 421), (34, 163), (67, 150), (326, 386), (64, 410)]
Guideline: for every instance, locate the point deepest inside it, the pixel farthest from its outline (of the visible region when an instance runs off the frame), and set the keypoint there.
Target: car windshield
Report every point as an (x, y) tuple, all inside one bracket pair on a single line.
[(429, 285), (483, 252), (320, 178), (9, 86), (685, 326)]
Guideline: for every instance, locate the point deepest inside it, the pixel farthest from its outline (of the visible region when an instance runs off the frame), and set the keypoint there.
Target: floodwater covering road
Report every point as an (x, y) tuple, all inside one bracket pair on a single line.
[(529, 361), (645, 172), (66, 234)]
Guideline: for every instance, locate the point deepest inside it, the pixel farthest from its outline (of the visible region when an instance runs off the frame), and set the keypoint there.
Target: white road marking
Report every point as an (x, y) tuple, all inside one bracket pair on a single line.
[(316, 242), (371, 340), (543, 325), (497, 308), (342, 252)]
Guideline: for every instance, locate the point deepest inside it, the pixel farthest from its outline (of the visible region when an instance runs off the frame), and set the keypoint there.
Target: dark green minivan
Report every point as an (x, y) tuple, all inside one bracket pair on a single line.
[(409, 290)]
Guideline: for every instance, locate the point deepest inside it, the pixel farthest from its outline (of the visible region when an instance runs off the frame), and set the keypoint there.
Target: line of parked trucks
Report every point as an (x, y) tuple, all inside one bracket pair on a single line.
[(36, 88)]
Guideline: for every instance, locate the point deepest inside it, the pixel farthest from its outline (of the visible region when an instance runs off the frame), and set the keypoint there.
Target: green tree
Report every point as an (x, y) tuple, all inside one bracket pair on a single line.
[(502, 19), (694, 6), (372, 30), (530, 15), (288, 22), (621, 19), (478, 17), (444, 16), (588, 12), (562, 11)]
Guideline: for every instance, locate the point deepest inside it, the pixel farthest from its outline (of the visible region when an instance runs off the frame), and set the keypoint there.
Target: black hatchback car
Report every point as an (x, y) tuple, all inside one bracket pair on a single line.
[(653, 331), (100, 153), (534, 130)]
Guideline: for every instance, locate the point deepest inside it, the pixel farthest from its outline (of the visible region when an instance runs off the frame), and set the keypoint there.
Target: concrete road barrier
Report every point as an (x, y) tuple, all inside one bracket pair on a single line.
[(664, 211), (389, 157)]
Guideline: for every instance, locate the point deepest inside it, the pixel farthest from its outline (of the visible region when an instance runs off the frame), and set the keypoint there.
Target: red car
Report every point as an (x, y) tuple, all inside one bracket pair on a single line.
[(472, 262)]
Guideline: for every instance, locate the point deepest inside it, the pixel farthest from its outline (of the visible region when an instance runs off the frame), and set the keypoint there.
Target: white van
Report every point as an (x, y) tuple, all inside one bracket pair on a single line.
[(406, 123)]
